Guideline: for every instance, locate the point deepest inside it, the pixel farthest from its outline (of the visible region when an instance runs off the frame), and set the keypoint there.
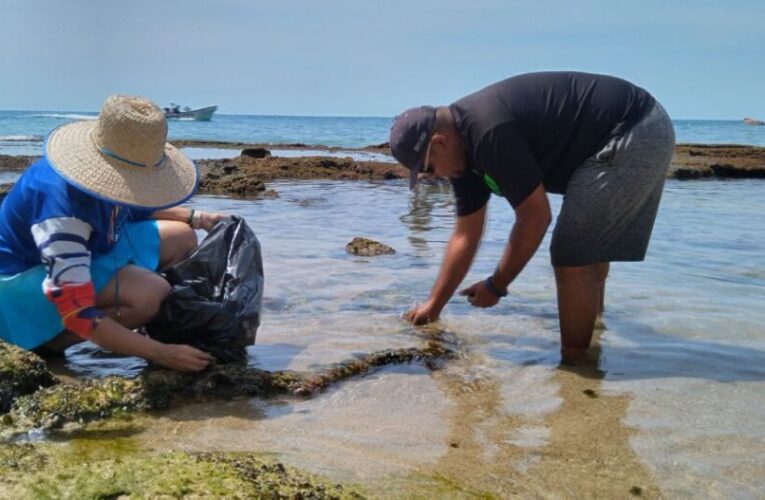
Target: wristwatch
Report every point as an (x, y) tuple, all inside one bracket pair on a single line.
[(490, 287)]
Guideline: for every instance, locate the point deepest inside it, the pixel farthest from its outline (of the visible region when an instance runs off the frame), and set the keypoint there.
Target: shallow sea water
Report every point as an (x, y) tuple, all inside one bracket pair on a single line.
[(674, 407)]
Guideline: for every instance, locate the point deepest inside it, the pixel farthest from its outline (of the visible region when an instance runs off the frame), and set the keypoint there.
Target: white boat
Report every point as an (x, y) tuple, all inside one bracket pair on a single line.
[(201, 114)]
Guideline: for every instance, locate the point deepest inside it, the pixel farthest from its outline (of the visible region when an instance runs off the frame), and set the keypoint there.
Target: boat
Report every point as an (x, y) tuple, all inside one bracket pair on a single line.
[(174, 112), (753, 121)]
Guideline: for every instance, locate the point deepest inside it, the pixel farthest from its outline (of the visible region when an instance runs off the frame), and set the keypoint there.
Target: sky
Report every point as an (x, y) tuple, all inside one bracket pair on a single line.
[(700, 58)]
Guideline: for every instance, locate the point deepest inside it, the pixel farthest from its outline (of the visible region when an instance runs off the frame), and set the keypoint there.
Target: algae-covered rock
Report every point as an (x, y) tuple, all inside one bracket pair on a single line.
[(21, 372), (21, 457), (256, 153), (275, 480), (74, 403), (232, 183), (112, 469), (17, 163), (367, 247), (90, 400)]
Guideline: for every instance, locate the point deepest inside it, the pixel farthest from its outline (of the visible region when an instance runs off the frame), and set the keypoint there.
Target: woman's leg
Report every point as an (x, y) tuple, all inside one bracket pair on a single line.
[(176, 241), (133, 296), (58, 344), (140, 291)]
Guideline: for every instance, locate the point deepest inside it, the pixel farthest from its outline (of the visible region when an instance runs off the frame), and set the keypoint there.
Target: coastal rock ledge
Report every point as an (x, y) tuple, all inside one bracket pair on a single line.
[(695, 161)]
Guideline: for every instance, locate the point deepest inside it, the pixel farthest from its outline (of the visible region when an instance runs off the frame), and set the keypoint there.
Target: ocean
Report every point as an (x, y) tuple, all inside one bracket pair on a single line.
[(22, 132)]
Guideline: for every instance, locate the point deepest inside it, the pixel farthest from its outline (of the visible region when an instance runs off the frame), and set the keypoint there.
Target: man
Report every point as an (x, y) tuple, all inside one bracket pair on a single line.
[(603, 142)]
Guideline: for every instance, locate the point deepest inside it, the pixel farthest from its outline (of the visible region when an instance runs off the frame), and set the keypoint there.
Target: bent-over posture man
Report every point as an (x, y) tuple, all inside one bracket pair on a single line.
[(602, 142)]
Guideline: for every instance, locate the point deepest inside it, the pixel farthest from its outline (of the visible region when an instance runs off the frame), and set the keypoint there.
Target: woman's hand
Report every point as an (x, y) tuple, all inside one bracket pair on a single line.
[(206, 220), (182, 357)]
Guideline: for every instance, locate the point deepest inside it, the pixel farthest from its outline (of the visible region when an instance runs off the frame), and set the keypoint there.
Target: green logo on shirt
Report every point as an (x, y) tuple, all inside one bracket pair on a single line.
[(490, 183)]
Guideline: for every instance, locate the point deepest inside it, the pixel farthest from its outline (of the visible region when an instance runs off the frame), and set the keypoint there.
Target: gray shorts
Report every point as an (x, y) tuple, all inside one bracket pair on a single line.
[(611, 200)]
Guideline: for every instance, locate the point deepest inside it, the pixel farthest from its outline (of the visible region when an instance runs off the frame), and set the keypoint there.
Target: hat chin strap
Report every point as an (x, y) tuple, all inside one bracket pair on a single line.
[(112, 154)]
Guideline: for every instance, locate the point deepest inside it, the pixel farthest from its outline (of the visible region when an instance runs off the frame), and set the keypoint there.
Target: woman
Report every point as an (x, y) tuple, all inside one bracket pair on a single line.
[(85, 228)]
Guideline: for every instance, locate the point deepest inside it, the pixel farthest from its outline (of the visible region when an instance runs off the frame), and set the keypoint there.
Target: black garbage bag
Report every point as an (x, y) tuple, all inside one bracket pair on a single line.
[(216, 296)]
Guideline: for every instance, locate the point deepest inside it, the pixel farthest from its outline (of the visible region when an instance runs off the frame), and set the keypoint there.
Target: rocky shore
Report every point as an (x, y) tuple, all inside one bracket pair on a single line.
[(246, 174), (94, 419), (695, 161)]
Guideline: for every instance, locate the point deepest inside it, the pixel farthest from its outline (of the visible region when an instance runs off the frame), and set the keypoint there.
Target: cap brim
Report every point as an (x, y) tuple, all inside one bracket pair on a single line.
[(414, 175)]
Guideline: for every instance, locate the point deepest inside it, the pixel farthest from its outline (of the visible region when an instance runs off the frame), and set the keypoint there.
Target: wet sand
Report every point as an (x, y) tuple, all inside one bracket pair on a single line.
[(586, 452)]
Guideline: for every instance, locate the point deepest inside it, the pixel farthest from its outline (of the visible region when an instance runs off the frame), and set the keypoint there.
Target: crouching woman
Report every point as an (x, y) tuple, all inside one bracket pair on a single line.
[(85, 229)]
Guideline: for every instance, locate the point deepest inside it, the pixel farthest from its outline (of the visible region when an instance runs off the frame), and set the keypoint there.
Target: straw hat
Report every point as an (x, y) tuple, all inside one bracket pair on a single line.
[(123, 156)]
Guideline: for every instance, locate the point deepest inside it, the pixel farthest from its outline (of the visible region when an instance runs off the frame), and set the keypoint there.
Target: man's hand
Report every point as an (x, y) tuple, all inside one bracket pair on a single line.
[(422, 313), (479, 296), (183, 358)]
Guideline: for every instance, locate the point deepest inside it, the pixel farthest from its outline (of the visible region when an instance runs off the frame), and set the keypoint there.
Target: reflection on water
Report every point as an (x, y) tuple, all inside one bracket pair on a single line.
[(673, 404), (419, 219)]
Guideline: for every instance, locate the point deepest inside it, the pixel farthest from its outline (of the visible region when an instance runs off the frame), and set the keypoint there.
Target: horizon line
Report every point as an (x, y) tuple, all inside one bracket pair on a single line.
[(321, 115)]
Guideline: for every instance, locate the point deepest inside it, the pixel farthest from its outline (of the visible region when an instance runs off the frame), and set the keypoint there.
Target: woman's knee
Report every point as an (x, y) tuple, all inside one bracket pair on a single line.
[(153, 293), (137, 292), (176, 241)]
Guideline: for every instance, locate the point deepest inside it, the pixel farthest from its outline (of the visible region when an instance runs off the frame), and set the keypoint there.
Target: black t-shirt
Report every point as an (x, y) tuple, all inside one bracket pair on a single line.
[(538, 128)]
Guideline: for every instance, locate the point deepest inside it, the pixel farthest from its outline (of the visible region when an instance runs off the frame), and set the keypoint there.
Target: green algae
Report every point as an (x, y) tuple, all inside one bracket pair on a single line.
[(21, 372), (85, 468), (20, 457), (430, 485), (96, 399)]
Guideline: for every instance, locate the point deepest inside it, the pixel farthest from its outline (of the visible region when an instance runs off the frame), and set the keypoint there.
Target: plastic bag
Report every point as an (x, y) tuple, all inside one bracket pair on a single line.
[(216, 296)]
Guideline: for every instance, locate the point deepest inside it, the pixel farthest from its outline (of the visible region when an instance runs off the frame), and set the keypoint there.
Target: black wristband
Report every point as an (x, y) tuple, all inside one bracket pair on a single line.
[(494, 291)]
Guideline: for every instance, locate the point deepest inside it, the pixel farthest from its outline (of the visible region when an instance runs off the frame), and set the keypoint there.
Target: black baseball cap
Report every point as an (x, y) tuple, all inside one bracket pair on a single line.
[(409, 136)]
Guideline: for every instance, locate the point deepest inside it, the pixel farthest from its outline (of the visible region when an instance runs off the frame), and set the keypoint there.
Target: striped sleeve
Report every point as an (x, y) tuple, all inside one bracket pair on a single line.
[(63, 246)]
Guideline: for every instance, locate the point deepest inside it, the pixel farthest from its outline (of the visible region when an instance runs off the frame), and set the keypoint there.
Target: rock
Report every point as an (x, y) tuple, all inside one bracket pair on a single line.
[(696, 161), (731, 171), (367, 247), (689, 173), (16, 163), (306, 167), (4, 188), (236, 184), (256, 153), (21, 372)]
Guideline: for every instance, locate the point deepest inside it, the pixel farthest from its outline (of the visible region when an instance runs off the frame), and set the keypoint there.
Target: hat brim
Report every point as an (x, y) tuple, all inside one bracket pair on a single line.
[(72, 152)]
